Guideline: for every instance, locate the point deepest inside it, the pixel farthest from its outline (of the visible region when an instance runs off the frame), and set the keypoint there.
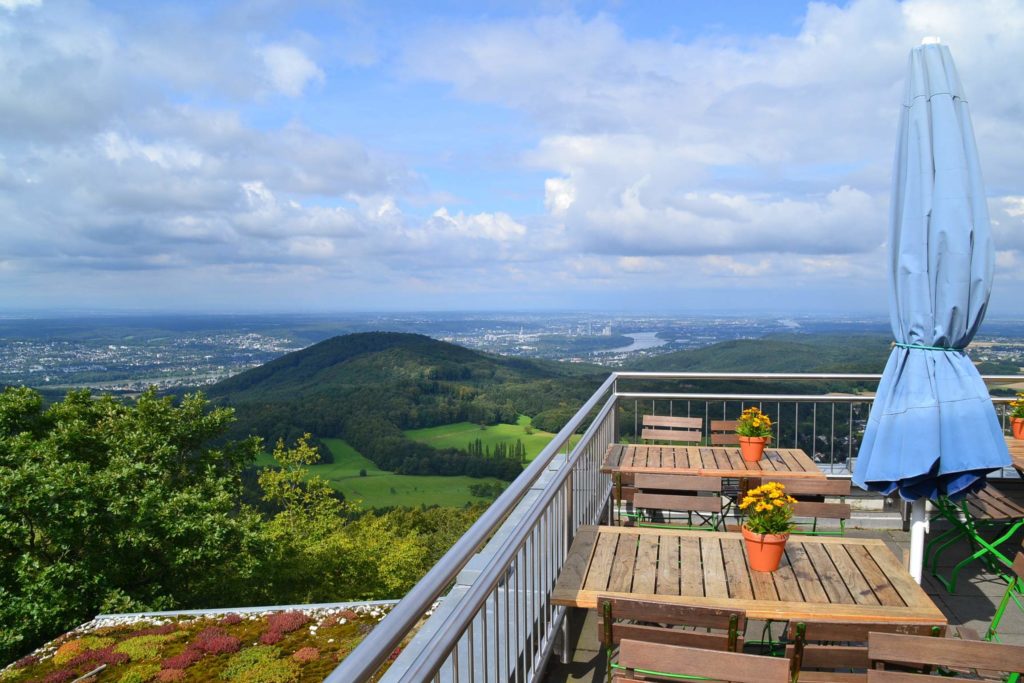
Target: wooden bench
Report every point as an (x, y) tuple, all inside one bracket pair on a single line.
[(672, 429)]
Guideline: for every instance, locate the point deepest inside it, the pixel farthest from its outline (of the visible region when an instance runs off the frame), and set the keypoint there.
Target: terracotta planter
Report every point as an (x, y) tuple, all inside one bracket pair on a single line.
[(764, 551), (1018, 427), (752, 447)]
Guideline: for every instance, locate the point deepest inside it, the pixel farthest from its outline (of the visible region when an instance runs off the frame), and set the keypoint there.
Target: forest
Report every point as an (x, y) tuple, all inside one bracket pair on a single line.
[(114, 506)]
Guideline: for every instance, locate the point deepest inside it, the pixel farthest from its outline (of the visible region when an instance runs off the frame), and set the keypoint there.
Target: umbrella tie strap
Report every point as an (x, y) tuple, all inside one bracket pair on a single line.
[(903, 345)]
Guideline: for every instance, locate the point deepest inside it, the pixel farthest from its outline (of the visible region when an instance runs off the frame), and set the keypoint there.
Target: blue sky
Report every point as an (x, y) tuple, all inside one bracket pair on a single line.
[(688, 156)]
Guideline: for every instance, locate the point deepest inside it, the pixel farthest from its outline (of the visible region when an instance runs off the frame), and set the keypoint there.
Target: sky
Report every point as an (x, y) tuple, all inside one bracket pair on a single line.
[(689, 156)]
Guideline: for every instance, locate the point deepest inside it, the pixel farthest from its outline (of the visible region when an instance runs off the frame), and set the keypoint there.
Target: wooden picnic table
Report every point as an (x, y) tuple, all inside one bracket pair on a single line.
[(707, 461), (820, 578)]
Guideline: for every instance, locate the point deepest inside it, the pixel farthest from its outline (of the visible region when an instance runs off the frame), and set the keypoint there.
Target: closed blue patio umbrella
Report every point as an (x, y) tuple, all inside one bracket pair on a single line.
[(933, 430)]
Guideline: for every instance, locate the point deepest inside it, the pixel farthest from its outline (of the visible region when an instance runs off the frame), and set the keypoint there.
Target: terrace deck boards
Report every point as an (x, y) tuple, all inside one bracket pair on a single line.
[(821, 578)]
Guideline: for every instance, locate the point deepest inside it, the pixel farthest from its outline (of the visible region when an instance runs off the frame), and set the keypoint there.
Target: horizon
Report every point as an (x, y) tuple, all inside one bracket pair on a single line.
[(718, 159)]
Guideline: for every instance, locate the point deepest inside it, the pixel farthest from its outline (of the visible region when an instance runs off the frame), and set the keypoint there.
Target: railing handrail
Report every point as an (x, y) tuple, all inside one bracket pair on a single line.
[(492, 574), (367, 657)]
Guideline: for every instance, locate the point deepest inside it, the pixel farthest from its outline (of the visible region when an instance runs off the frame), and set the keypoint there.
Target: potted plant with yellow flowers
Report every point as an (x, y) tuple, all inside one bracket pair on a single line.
[(755, 429), (769, 512), (1017, 416)]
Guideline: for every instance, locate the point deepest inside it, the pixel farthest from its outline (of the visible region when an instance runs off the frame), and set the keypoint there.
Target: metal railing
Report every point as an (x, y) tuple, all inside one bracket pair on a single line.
[(497, 622)]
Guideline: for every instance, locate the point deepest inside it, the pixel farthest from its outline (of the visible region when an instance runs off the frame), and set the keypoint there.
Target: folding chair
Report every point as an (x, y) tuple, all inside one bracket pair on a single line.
[(1013, 593), (902, 651), (668, 624), (658, 662), (698, 498), (672, 429)]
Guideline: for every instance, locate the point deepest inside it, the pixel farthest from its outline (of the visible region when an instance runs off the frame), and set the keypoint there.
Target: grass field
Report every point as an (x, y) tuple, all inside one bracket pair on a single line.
[(385, 489), (460, 434)]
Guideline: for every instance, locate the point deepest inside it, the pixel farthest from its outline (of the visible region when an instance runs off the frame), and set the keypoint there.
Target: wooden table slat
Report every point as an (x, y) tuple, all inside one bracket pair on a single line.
[(737, 571), (600, 563), (645, 572), (715, 584), (786, 583), (876, 578), (621, 578), (803, 570), (668, 565), (847, 568), (691, 582), (831, 582)]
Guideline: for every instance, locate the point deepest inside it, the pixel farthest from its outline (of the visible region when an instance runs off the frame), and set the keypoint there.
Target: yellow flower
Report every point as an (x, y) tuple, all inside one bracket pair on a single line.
[(775, 494), (779, 503), (763, 507)]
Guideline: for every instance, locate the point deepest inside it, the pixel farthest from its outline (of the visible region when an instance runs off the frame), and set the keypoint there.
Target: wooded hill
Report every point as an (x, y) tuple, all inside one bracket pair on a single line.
[(366, 388)]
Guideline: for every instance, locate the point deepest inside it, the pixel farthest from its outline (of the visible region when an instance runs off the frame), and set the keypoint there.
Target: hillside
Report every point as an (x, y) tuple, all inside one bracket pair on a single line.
[(779, 353), (368, 387)]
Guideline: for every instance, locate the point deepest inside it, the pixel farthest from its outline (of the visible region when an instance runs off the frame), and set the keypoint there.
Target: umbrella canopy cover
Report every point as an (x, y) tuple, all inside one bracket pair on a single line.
[(933, 429)]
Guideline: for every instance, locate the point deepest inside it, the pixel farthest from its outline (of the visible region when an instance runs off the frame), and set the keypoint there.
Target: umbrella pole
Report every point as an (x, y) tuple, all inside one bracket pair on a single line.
[(918, 529)]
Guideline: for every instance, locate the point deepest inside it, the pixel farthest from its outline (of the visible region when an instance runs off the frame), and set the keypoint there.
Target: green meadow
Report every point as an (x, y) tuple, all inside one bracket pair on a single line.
[(380, 489), (460, 434)]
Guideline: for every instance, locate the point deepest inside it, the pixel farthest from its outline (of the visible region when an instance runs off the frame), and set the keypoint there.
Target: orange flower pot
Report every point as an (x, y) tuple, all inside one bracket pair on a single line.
[(1018, 427), (764, 551), (752, 447)]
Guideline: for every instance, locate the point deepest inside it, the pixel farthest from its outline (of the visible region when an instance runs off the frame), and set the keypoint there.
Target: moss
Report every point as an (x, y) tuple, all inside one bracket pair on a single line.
[(73, 648), (142, 648), (248, 659), (140, 674)]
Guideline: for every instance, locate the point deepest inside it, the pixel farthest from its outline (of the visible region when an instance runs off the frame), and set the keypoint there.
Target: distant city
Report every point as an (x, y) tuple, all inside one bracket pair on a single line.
[(129, 354)]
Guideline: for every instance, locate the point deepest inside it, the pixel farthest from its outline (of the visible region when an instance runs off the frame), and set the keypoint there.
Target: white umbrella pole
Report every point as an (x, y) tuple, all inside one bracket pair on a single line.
[(918, 529)]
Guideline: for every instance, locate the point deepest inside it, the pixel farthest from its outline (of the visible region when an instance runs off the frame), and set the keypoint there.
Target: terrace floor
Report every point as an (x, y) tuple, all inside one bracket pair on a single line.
[(978, 594)]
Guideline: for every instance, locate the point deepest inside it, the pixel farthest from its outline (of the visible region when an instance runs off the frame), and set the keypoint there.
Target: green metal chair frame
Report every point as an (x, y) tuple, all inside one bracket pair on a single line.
[(1012, 594), (978, 515)]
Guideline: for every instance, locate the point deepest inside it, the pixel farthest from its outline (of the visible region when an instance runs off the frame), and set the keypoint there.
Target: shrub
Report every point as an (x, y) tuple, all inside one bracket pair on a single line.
[(60, 676), (230, 619), (27, 660), (215, 641), (184, 659), (286, 622), (73, 648), (306, 654), (161, 630), (170, 675), (271, 637), (94, 658)]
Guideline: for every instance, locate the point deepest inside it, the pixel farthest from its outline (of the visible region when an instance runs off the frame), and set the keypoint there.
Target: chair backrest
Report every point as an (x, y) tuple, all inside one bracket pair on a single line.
[(617, 617), (1013, 588), (680, 493), (673, 429), (829, 645), (810, 495), (723, 433), (690, 661), (902, 650)]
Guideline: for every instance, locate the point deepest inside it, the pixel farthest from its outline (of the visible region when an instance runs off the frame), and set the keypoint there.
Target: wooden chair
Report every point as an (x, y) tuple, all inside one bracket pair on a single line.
[(891, 649), (667, 624), (811, 506), (723, 433), (1013, 593), (698, 498), (658, 662), (838, 652), (672, 429)]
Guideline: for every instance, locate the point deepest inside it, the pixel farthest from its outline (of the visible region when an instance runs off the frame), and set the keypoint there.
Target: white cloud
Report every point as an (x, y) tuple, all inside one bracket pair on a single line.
[(15, 4), (289, 69), (499, 227)]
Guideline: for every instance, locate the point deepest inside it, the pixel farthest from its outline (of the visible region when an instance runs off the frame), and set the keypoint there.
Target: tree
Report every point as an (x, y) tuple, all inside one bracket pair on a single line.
[(111, 506)]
